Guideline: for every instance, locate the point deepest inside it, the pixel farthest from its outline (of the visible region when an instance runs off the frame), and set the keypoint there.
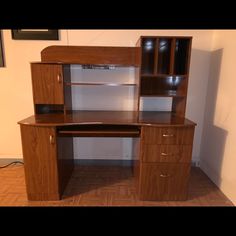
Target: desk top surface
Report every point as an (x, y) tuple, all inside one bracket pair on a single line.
[(141, 118)]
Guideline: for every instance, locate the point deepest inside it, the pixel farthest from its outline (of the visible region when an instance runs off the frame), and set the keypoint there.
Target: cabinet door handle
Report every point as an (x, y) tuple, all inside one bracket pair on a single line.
[(164, 176), (170, 154), (51, 139), (167, 135), (59, 79)]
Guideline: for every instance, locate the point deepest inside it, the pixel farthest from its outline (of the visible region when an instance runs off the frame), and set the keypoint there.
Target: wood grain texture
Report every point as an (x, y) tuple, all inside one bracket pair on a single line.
[(47, 87), (166, 153), (120, 56), (167, 135), (172, 56), (40, 158), (164, 181), (143, 118), (179, 105)]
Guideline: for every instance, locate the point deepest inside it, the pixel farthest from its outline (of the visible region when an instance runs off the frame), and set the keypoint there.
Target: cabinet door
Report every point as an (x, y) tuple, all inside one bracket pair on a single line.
[(47, 81), (164, 181), (40, 158)]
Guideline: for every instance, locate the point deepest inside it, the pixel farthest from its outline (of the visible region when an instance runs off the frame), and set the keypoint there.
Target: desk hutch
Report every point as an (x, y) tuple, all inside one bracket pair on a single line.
[(161, 66)]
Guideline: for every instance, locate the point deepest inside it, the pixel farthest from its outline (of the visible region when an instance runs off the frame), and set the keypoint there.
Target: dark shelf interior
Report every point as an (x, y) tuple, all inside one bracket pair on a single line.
[(181, 56), (163, 86), (164, 51), (48, 108), (148, 55), (165, 55), (98, 130)]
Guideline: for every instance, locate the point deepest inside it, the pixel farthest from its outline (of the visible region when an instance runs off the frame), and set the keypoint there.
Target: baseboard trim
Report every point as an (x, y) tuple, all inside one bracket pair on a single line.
[(5, 161)]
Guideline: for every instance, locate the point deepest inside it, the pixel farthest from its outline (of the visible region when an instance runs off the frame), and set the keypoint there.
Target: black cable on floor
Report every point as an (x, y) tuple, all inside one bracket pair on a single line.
[(14, 162)]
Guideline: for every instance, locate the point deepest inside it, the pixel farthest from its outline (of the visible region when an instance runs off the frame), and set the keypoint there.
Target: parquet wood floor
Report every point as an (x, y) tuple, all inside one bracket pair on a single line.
[(106, 186)]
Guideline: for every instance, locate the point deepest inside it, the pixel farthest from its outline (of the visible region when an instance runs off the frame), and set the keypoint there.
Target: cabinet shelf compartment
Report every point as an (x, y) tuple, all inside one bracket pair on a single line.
[(48, 108), (97, 130), (182, 52), (164, 56), (148, 55), (167, 87)]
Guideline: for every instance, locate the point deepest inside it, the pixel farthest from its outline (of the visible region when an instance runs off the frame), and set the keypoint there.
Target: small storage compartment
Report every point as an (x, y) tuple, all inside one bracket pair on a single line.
[(163, 86), (48, 108), (181, 56), (148, 55), (164, 54)]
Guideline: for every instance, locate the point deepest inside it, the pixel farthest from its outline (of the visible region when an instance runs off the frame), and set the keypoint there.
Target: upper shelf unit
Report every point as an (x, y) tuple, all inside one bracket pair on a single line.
[(66, 73), (164, 69)]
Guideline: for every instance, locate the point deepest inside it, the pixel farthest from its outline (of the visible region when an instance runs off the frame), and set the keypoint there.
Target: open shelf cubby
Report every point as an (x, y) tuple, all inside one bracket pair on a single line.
[(165, 68)]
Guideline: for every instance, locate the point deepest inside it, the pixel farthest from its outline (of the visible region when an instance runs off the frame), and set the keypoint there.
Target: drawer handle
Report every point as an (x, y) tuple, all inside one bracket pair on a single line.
[(167, 135), (59, 80), (51, 139), (164, 176), (171, 154)]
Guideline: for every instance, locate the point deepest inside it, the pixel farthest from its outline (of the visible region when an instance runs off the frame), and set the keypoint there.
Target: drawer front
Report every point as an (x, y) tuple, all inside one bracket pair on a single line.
[(166, 153), (164, 181), (166, 135)]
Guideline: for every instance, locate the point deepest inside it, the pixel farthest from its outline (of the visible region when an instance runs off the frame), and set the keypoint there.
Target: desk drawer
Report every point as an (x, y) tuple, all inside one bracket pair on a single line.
[(164, 181), (166, 153), (167, 135)]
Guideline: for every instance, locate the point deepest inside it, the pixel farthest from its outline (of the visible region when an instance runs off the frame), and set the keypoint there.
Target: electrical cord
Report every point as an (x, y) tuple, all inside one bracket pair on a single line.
[(14, 162)]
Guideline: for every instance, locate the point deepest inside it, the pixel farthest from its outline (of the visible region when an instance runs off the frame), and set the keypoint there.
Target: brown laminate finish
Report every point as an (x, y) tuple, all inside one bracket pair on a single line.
[(166, 153), (165, 145), (120, 56), (40, 157), (47, 83), (145, 118), (172, 56), (164, 181)]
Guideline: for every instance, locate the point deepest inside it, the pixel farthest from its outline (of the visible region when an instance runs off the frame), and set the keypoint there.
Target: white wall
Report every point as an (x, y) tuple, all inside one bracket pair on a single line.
[(218, 155), (16, 93)]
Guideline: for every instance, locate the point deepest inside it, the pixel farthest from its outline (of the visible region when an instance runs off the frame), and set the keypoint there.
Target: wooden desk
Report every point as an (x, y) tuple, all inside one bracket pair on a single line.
[(160, 66), (162, 169)]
